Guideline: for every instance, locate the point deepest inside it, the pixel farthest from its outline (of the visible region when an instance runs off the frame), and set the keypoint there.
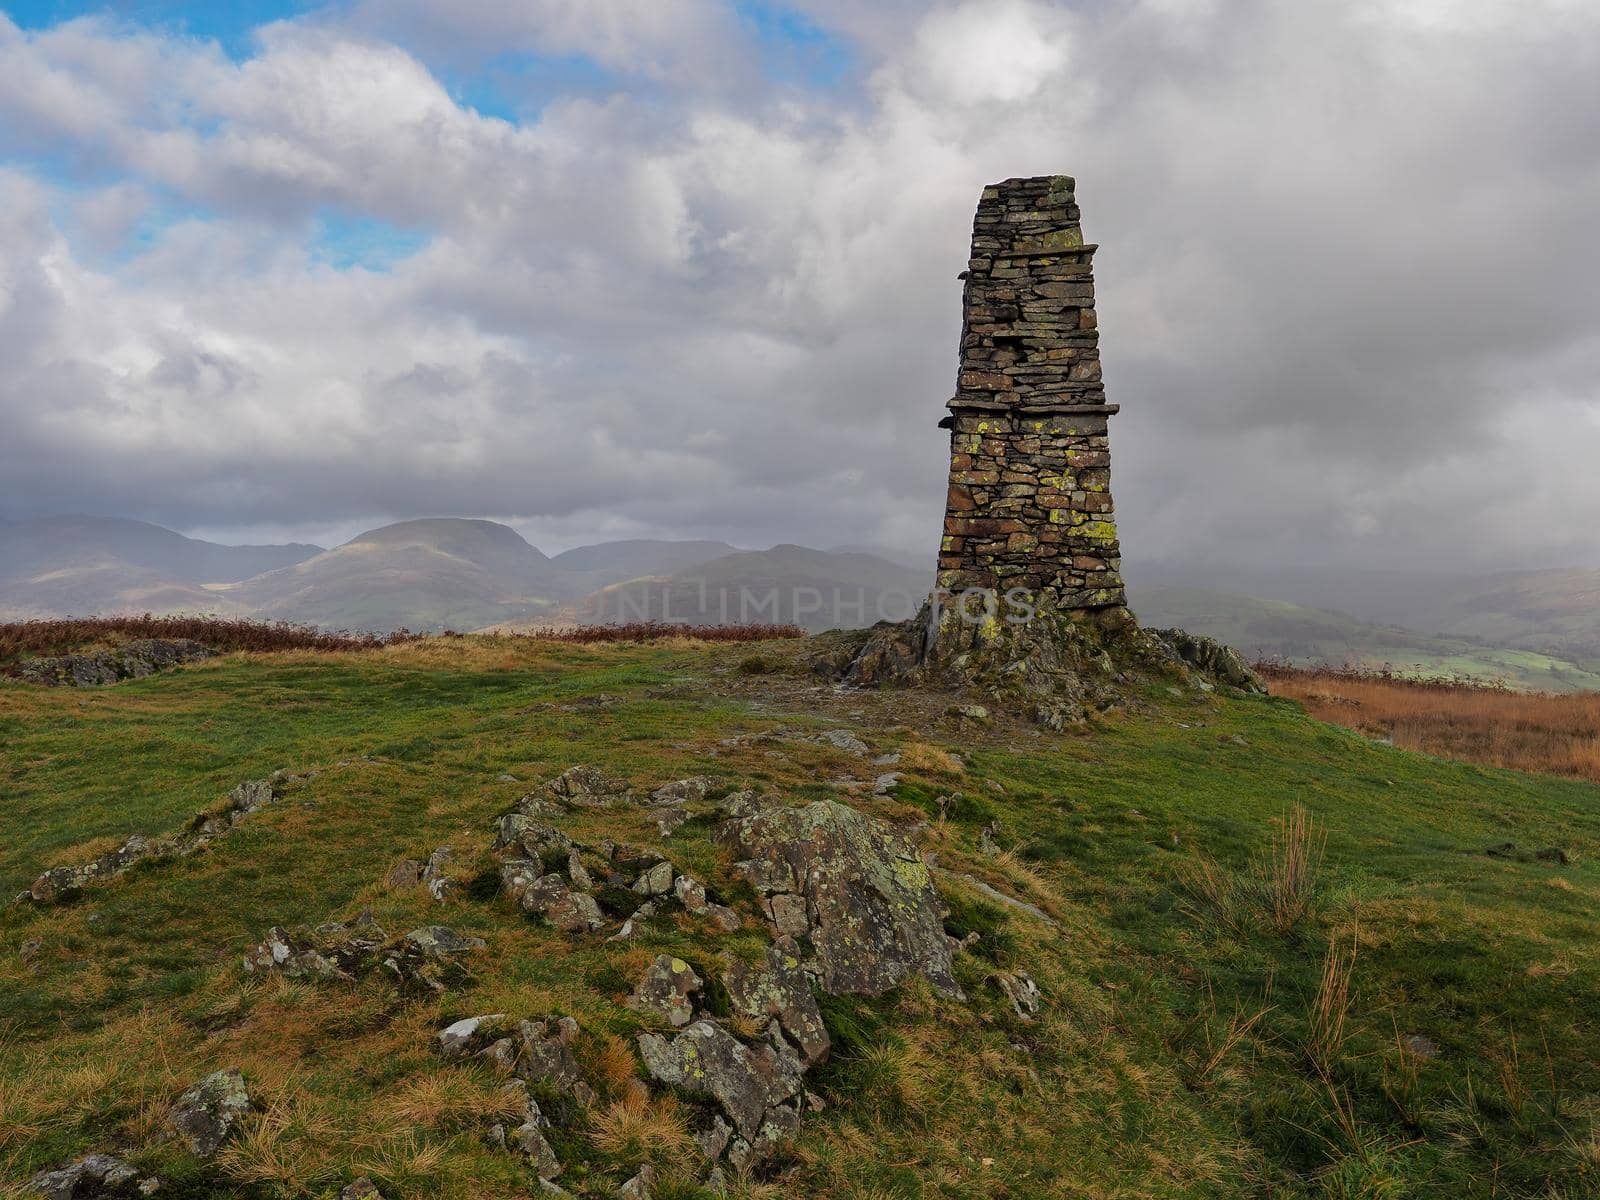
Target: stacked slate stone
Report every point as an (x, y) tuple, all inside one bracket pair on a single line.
[(1030, 501)]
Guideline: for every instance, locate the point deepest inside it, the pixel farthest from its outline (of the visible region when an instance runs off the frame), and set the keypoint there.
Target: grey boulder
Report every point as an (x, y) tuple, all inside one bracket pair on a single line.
[(206, 1115), (871, 909)]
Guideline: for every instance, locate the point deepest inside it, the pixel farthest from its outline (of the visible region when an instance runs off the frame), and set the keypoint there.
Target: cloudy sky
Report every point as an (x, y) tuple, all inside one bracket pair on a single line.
[(615, 268)]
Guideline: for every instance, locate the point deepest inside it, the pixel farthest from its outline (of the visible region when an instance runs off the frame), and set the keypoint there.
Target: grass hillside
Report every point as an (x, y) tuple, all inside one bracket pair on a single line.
[(1277, 629), (1235, 1002)]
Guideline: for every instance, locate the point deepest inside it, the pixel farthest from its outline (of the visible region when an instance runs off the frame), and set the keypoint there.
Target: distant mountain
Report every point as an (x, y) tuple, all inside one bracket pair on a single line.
[(1554, 612), (1310, 636), (892, 554), (82, 565), (592, 567), (1530, 628), (1558, 610), (787, 583), (439, 573)]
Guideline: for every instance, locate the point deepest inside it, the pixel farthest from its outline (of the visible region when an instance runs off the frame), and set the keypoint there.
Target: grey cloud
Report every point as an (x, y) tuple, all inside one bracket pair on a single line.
[(1346, 283)]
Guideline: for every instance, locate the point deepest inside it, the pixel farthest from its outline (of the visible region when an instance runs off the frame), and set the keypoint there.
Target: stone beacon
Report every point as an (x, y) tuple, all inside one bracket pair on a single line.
[(1030, 463), (1028, 525)]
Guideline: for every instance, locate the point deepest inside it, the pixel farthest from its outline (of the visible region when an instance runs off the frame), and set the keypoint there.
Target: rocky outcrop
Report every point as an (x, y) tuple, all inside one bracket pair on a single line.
[(207, 1114), (667, 990), (428, 958), (91, 1177), (331, 951), (588, 787), (780, 989), (132, 660), (870, 910), (747, 1081), (852, 907), (1213, 659), (61, 882)]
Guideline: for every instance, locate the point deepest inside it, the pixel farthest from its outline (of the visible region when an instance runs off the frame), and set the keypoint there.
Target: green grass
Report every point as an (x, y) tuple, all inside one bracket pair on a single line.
[(1173, 1056)]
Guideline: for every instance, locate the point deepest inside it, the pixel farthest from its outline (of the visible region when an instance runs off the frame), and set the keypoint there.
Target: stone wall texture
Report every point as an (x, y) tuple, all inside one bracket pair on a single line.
[(1030, 464)]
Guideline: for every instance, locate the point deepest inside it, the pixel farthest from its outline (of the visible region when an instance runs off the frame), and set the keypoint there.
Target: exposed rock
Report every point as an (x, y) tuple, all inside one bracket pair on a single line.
[(666, 989), (404, 875), (790, 914), (428, 956), (844, 739), (638, 1188), (781, 1122), (353, 946), (534, 838), (691, 894), (681, 791), (669, 820), (462, 1038), (713, 1139), (1212, 658), (631, 926), (294, 958), (874, 917), (440, 883), (59, 882), (251, 795), (547, 1055), (655, 881), (331, 951), (587, 786), (132, 660), (94, 1175), (780, 989), (1022, 991), (885, 783), (747, 1081), (529, 1140), (361, 1188), (207, 1114), (570, 911)]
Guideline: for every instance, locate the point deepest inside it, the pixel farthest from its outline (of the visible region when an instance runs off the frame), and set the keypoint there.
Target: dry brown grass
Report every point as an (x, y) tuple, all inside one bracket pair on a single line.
[(1288, 873), (637, 1128), (449, 1098), (24, 639), (1330, 1009), (920, 756), (1526, 731)]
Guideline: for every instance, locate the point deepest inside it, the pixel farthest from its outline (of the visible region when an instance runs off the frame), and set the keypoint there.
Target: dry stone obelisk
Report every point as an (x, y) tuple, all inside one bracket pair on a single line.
[(1028, 528), (1030, 465)]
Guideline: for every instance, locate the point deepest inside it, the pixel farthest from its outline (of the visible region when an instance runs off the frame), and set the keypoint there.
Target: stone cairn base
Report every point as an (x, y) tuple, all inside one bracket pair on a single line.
[(1056, 669)]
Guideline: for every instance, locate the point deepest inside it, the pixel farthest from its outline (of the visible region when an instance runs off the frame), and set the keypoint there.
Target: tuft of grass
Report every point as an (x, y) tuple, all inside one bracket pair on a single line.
[(1287, 876), (1278, 889), (1330, 1008), (637, 1128)]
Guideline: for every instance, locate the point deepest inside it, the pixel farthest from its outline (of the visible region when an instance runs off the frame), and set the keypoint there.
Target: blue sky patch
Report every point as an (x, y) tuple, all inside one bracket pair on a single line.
[(795, 49), (344, 240), (230, 23)]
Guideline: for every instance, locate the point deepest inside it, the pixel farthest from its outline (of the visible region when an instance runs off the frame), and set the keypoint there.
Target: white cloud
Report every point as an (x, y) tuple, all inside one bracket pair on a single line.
[(688, 302)]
